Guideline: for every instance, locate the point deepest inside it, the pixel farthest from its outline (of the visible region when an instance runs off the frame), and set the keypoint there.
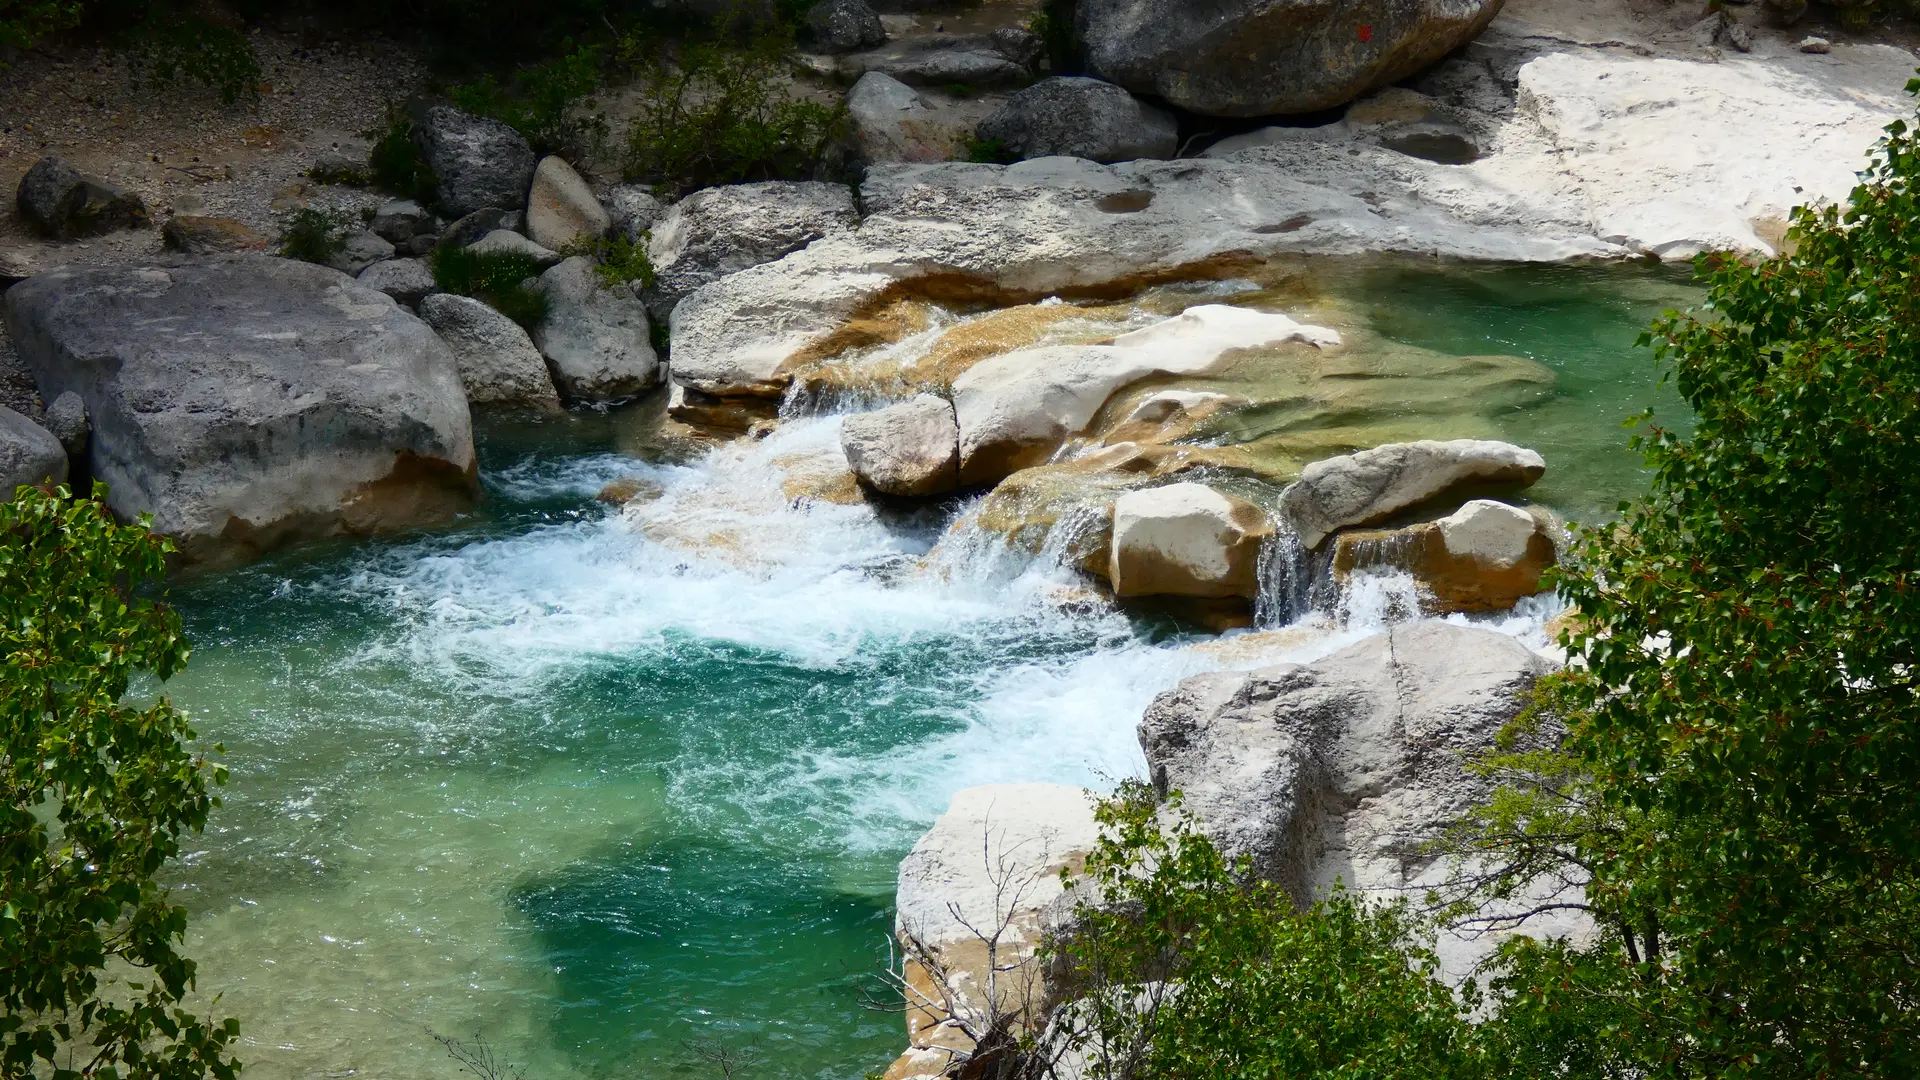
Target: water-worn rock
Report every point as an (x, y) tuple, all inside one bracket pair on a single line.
[(1485, 556), (408, 281), (66, 417), (497, 361), (910, 448), (508, 242), (1186, 539), (471, 228), (29, 454), (893, 122), (561, 209), (844, 26), (193, 235), (1373, 485), (59, 201), (1248, 58), (249, 402), (596, 340), (400, 220), (723, 230), (633, 209), (1340, 768), (362, 249), (478, 161), (1083, 118)]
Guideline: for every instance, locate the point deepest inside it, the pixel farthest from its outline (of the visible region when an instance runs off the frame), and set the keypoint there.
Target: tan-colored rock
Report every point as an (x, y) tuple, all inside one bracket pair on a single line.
[(561, 209), (1186, 539), (911, 448), (191, 234), (1373, 485), (1485, 556)]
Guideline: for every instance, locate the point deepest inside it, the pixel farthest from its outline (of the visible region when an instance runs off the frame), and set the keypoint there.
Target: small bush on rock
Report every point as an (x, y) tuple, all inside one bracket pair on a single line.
[(497, 279), (316, 235), (619, 260), (396, 162)]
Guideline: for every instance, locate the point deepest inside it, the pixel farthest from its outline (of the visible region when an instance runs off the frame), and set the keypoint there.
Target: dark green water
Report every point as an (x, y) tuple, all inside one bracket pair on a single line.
[(618, 793)]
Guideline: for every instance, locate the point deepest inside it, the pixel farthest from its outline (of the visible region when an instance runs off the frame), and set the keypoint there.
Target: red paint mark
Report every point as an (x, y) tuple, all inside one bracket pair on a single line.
[(1366, 33)]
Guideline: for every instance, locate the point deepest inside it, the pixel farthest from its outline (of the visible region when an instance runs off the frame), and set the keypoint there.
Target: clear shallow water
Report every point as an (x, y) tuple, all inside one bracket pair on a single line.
[(613, 792)]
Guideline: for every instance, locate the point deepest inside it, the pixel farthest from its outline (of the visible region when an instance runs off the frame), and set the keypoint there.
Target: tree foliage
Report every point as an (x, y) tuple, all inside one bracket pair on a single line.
[(98, 795)]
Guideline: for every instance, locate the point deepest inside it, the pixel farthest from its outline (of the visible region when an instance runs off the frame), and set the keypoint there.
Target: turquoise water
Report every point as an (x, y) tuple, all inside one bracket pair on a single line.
[(618, 792)]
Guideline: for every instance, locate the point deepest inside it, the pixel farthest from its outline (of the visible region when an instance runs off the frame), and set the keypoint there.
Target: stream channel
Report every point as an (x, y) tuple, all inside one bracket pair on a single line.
[(615, 792)]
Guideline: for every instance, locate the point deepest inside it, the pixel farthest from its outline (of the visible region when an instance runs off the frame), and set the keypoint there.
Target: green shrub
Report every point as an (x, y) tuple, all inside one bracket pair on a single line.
[(619, 260), (717, 114), (396, 162), (990, 152), (544, 103), (498, 279), (316, 235)]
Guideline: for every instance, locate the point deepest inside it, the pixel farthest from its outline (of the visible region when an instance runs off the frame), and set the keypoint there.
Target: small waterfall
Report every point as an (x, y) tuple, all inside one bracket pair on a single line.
[(1287, 577)]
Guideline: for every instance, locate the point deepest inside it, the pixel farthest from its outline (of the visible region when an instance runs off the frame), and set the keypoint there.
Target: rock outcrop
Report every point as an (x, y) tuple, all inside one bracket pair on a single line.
[(249, 402), (910, 448), (597, 340), (29, 454), (498, 363), (1374, 485), (722, 230), (62, 203), (479, 162), (1186, 539), (1248, 58), (1337, 770), (561, 209), (1485, 556), (1084, 118)]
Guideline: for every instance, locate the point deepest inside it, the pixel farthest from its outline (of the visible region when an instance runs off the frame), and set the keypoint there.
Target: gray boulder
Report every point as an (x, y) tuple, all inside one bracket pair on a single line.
[(190, 234), (507, 242), (633, 209), (892, 122), (251, 402), (911, 448), (844, 26), (498, 363), (1085, 118), (561, 209), (470, 228), (1262, 57), (60, 202), (479, 162), (1372, 486), (597, 340), (980, 61), (67, 419), (400, 220), (408, 281), (723, 230), (29, 454), (362, 249)]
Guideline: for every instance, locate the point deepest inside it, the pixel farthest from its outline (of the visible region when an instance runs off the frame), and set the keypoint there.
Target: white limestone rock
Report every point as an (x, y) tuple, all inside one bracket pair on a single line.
[(909, 448), (597, 340), (1374, 485), (498, 363), (1186, 539)]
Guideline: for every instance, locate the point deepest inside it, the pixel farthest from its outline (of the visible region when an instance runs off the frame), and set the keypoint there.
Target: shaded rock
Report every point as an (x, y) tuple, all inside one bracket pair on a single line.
[(1260, 58), (633, 210), (1373, 485), (408, 281), (561, 209), (13, 267), (29, 454), (400, 220), (597, 340), (723, 230), (912, 448), (892, 122), (1340, 768), (341, 165), (362, 249), (507, 242), (1784, 13), (844, 26), (1186, 540), (973, 60), (1083, 118), (67, 419), (282, 401), (59, 201), (470, 229), (192, 235), (1485, 556), (478, 161), (497, 361)]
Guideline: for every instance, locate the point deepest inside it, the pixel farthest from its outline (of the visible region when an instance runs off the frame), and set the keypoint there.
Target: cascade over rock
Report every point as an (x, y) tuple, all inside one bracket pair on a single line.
[(1374, 485), (1485, 556), (1186, 539)]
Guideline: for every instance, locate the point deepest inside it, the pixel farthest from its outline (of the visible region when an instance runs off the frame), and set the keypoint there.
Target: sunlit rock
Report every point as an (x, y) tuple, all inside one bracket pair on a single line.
[(912, 448), (1374, 485), (1186, 539), (1484, 556)]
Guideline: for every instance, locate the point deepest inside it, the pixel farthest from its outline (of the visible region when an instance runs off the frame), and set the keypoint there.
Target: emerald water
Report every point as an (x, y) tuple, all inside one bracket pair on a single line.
[(618, 791)]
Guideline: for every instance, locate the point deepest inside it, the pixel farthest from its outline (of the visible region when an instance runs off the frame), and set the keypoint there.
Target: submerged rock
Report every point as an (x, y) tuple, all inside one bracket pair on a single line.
[(251, 402), (1186, 539), (1374, 485), (29, 454), (1485, 556), (912, 448), (498, 363), (1083, 118)]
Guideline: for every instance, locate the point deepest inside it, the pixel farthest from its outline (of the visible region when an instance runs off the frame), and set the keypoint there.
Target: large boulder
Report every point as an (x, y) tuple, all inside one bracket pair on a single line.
[(59, 201), (498, 363), (1338, 770), (723, 230), (910, 448), (1374, 485), (478, 161), (1186, 539), (843, 26), (893, 122), (561, 209), (29, 454), (633, 209), (251, 401), (1485, 556), (596, 338), (1261, 58), (1084, 118)]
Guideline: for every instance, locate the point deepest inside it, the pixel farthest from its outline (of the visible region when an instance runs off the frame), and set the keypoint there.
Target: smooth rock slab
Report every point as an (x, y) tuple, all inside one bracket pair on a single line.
[(561, 209), (1186, 540), (29, 454), (723, 230), (498, 363), (1373, 485), (251, 402), (597, 340), (911, 448)]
